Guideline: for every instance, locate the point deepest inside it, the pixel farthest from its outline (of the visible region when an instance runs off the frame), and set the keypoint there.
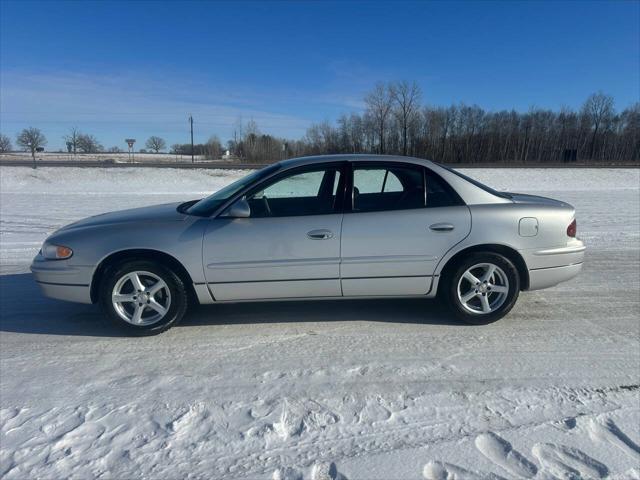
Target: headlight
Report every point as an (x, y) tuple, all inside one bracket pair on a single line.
[(56, 252)]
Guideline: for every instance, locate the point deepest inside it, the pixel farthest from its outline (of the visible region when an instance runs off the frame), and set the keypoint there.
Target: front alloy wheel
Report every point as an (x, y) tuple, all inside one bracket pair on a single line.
[(143, 297)]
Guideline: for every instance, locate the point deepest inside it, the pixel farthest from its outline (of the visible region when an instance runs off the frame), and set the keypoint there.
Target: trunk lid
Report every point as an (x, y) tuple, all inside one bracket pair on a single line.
[(537, 200)]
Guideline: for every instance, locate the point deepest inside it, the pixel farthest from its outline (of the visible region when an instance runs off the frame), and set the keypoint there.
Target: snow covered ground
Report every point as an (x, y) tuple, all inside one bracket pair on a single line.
[(316, 390)]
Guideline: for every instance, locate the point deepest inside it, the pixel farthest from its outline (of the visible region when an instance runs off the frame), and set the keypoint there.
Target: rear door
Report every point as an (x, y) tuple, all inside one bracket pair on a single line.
[(289, 246), (403, 218)]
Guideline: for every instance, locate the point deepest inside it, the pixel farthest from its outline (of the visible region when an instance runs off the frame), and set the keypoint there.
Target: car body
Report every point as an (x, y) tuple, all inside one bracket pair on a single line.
[(340, 226)]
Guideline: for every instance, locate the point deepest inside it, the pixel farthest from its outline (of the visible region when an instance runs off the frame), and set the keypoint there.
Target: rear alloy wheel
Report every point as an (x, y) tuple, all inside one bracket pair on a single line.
[(143, 297), (483, 288)]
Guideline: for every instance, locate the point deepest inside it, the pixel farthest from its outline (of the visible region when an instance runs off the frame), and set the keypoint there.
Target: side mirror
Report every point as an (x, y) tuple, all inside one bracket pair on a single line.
[(240, 209)]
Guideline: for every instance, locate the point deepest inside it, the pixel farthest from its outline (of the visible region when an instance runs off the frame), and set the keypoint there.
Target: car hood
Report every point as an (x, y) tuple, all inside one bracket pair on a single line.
[(166, 212), (537, 200)]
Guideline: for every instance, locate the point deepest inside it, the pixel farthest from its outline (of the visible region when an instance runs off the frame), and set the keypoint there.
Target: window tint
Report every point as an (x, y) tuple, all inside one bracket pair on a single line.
[(304, 193), (439, 192), (387, 187)]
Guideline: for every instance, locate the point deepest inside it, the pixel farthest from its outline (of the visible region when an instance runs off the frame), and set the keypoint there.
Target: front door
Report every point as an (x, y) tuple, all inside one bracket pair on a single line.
[(289, 247), (404, 218)]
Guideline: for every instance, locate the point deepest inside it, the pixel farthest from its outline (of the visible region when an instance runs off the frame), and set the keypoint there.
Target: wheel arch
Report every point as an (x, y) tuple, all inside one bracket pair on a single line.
[(508, 252), (158, 256)]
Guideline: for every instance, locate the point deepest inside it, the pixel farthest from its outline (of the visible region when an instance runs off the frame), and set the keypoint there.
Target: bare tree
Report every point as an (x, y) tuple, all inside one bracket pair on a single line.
[(598, 109), (31, 139), (213, 148), (407, 99), (88, 143), (379, 105), (5, 143), (71, 140), (155, 143), (115, 149), (630, 132)]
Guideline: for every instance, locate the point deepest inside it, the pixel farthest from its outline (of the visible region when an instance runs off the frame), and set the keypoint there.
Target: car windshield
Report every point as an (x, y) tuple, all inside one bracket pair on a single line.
[(208, 205), (476, 183)]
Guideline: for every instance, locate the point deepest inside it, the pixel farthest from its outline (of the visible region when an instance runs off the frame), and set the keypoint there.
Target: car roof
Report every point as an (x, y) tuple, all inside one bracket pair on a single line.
[(300, 161)]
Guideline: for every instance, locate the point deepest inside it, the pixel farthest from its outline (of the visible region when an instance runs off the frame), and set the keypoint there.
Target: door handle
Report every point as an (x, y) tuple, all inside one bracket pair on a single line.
[(320, 234), (441, 227)]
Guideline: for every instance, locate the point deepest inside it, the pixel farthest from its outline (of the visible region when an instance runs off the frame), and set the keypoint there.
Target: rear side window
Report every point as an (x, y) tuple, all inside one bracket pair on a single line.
[(383, 187), (376, 180), (387, 187)]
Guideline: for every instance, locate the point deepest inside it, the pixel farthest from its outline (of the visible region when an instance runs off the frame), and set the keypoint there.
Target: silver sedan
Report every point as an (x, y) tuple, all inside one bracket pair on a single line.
[(348, 226)]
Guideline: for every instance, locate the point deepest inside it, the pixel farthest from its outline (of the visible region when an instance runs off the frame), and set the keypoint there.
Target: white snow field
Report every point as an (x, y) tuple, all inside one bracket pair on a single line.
[(362, 389)]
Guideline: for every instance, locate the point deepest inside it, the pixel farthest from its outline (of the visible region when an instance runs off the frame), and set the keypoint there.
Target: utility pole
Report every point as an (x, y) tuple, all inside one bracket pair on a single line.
[(191, 123)]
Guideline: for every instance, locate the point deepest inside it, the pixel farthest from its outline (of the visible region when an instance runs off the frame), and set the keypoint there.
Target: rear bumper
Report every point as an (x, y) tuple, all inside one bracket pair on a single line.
[(548, 277), (59, 280), (570, 254), (551, 266)]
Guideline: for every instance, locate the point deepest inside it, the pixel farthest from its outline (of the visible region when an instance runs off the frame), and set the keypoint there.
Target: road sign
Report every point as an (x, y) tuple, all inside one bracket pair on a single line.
[(130, 142)]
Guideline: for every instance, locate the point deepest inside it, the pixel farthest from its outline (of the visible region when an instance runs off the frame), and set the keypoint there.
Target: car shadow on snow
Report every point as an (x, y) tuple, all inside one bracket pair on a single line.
[(391, 310), (23, 309)]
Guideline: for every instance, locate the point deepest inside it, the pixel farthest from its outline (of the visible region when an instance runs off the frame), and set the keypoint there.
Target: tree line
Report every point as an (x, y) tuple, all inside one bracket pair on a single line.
[(395, 121), (33, 140)]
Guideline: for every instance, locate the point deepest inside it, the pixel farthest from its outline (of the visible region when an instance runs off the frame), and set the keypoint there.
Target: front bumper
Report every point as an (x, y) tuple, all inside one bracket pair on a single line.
[(57, 279)]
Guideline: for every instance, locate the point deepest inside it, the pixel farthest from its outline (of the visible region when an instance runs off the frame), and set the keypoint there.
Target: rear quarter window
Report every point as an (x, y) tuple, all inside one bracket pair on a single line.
[(439, 192)]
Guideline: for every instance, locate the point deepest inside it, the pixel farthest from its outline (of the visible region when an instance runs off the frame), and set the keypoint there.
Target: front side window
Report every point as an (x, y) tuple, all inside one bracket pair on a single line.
[(387, 187), (311, 192), (208, 205)]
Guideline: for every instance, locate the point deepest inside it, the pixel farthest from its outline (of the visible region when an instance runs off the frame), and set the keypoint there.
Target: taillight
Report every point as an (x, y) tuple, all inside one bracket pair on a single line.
[(572, 228)]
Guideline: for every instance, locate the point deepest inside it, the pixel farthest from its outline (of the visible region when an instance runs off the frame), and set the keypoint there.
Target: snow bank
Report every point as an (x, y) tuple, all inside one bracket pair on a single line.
[(115, 181)]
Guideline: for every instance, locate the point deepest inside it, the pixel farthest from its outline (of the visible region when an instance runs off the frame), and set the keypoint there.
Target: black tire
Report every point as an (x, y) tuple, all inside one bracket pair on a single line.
[(452, 279), (179, 300)]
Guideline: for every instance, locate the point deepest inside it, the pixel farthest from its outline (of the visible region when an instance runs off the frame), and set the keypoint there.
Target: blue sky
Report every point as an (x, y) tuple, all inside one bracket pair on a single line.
[(121, 69)]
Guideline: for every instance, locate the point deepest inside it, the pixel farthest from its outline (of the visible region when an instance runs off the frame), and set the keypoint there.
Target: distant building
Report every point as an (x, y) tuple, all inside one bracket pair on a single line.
[(227, 155)]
